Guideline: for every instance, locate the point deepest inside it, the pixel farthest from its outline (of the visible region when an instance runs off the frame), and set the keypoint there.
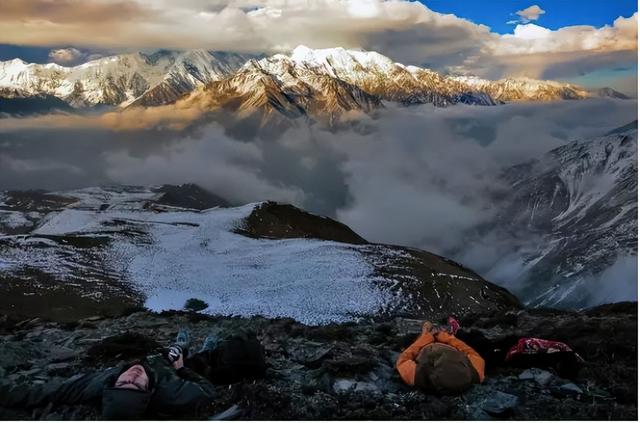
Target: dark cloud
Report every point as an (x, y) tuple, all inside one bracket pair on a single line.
[(587, 62), (438, 48), (70, 11)]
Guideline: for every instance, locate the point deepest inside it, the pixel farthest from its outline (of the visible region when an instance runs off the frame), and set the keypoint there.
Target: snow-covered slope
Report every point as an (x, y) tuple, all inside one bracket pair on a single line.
[(273, 91), (379, 75), (571, 221), (121, 242), (119, 80)]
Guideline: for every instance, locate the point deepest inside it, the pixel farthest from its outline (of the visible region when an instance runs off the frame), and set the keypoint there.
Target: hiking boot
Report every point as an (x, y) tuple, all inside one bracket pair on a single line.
[(183, 339), (210, 343), (453, 324)]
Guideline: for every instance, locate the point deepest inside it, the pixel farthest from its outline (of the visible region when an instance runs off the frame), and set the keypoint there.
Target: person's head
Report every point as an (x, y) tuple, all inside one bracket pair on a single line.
[(128, 397), (443, 369), (135, 377)]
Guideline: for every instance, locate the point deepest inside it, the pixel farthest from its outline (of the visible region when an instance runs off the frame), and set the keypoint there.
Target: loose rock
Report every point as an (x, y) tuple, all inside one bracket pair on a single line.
[(541, 377)]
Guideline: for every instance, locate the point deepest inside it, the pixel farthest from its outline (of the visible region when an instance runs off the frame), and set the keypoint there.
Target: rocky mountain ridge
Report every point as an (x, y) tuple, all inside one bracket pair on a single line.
[(568, 217)]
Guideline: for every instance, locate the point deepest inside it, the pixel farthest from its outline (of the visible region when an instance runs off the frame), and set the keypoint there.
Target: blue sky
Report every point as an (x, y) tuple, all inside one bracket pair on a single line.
[(559, 13), (27, 53)]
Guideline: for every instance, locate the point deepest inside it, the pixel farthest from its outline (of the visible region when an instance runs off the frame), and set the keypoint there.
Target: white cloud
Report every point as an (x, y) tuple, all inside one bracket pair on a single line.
[(531, 13), (533, 50), (35, 165), (531, 32), (65, 56), (531, 38), (71, 56)]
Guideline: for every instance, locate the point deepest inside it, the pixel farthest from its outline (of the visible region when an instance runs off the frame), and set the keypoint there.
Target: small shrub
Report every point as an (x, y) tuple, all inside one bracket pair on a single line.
[(195, 304)]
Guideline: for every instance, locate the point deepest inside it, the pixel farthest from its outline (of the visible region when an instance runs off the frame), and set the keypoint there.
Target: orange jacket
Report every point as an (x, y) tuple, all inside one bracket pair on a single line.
[(406, 363)]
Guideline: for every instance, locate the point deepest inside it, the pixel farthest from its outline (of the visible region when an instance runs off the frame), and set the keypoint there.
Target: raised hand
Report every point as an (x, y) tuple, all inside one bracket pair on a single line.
[(174, 354), (427, 327)]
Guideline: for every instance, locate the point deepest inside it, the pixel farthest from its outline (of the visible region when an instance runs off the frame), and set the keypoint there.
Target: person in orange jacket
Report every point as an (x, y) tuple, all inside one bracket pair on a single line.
[(438, 362)]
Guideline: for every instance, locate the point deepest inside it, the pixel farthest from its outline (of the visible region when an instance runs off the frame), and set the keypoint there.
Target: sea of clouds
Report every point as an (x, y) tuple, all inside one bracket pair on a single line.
[(416, 176)]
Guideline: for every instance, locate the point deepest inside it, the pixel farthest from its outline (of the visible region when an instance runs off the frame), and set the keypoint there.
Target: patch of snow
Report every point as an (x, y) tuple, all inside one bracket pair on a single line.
[(311, 281), (13, 219), (197, 255), (94, 197), (449, 275), (70, 221)]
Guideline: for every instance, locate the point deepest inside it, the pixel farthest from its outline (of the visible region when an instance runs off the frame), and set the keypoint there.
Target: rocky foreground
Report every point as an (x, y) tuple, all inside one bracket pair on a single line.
[(345, 371)]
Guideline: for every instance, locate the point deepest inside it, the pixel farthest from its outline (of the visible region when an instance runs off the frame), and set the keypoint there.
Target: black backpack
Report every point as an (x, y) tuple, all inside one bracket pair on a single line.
[(238, 357)]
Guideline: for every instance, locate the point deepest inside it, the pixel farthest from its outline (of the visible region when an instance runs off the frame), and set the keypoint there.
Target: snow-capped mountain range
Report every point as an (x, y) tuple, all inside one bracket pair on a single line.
[(152, 79), (569, 220), (323, 84)]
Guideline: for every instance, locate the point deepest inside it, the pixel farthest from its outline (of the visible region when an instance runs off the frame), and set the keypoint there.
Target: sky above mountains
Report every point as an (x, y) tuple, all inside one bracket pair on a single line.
[(593, 43), (502, 16)]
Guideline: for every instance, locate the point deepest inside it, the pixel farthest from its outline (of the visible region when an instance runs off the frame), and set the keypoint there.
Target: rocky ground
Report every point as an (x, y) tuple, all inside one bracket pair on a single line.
[(345, 371)]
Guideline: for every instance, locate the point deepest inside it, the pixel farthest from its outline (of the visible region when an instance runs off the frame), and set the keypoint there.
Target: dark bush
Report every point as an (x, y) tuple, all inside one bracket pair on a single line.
[(195, 304)]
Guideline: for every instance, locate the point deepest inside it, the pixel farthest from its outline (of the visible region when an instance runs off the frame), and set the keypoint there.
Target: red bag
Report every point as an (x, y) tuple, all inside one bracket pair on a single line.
[(537, 346)]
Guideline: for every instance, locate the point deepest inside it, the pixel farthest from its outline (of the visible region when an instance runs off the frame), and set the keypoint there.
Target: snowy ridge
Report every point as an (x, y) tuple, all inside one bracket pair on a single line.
[(335, 86), (119, 241), (525, 89), (339, 61), (374, 74)]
